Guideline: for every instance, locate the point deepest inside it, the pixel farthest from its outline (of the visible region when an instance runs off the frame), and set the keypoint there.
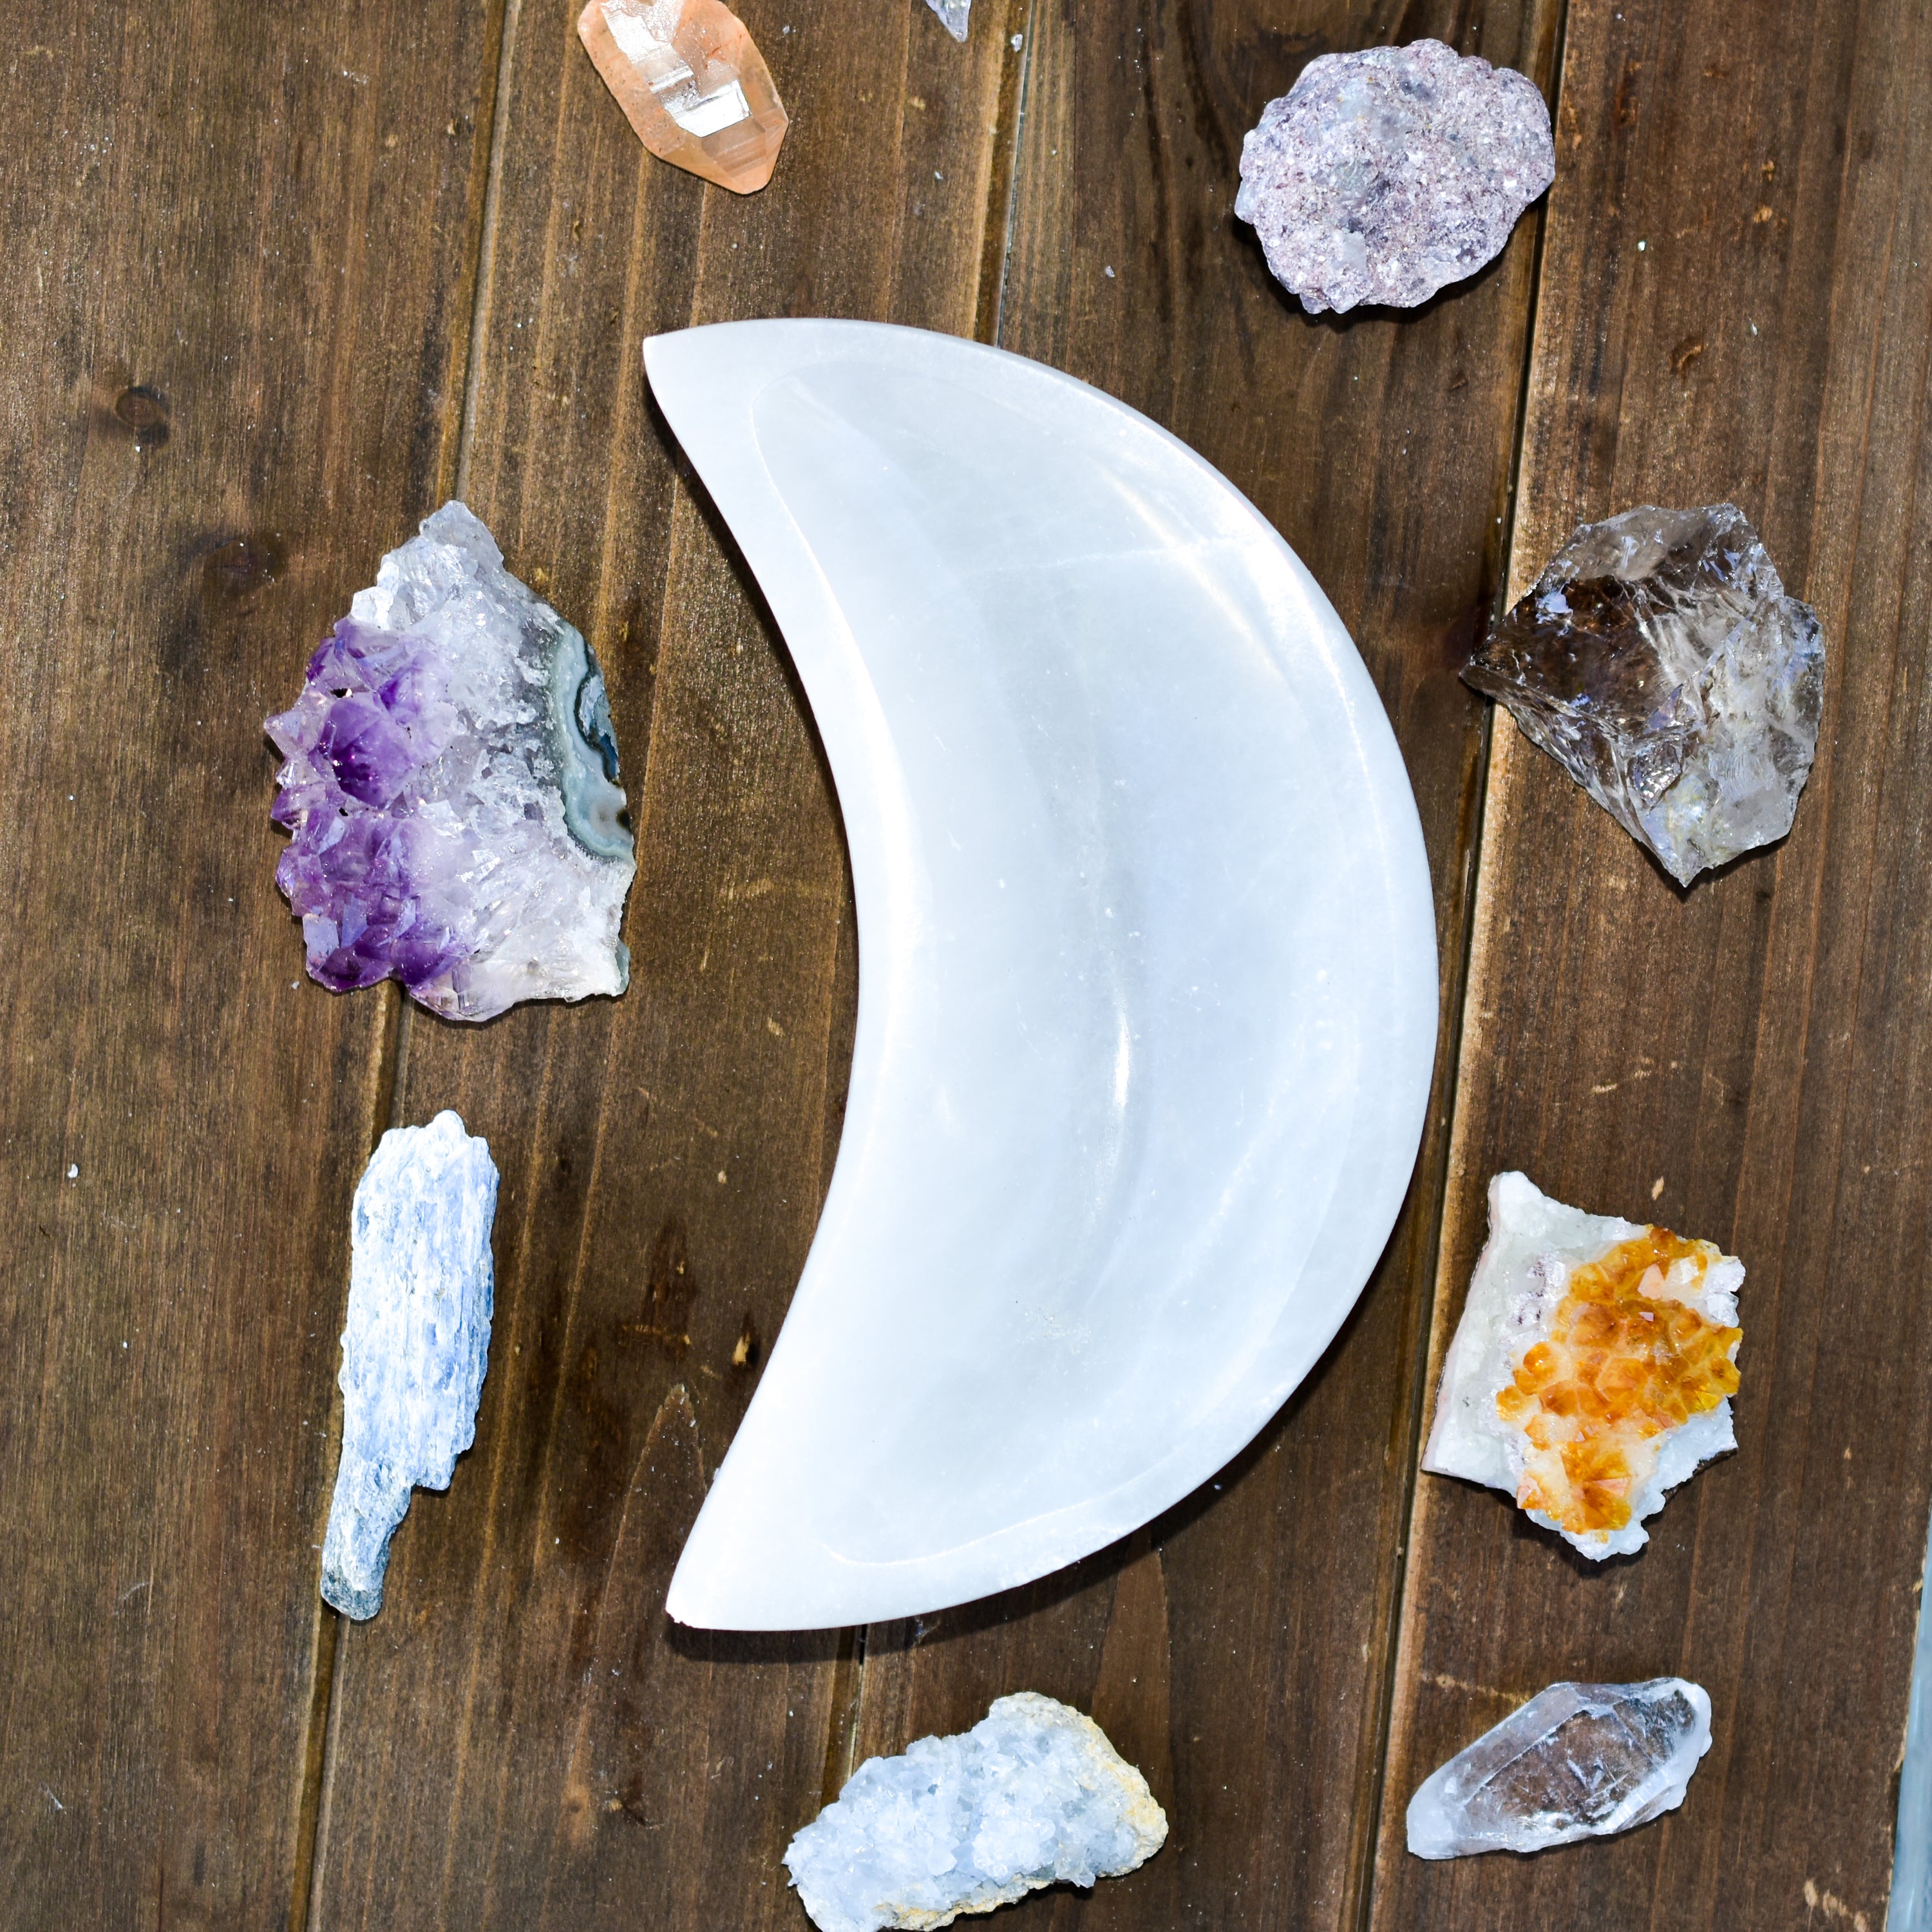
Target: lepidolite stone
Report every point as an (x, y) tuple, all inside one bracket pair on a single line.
[(1383, 175), (421, 1287), (1660, 663), (452, 785)]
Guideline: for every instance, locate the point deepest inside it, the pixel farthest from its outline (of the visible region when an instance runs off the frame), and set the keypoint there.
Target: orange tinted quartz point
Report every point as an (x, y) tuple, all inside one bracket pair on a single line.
[(1626, 1359), (693, 84)]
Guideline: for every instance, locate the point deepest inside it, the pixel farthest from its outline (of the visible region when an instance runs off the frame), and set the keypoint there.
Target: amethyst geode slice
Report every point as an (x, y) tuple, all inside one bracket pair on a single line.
[(452, 785)]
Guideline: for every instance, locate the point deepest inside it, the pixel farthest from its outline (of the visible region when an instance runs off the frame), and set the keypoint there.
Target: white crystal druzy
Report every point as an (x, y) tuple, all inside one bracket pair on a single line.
[(1577, 1761), (1033, 1794), (1534, 1243), (421, 1289)]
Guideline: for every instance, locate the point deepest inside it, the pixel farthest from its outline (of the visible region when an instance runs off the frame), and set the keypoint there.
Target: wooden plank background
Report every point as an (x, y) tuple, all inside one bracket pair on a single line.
[(1736, 303), (241, 245), (287, 279)]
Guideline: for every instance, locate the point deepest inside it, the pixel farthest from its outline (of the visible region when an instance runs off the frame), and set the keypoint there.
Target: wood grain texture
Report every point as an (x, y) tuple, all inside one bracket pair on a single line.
[(520, 1739), (1736, 303), (1239, 1649), (262, 324), (240, 243)]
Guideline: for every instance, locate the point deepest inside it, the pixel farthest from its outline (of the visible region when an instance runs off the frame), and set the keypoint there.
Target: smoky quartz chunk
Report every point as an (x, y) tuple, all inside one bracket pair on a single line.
[(1659, 662)]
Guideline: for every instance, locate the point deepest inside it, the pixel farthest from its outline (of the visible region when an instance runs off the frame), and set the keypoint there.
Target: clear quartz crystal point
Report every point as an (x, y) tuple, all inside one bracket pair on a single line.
[(1658, 660), (1033, 1794), (1577, 1761), (953, 14), (421, 1287), (693, 84)]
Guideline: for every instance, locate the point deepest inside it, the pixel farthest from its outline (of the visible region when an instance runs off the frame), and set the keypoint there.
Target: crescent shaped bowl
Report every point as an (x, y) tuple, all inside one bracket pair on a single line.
[(1147, 979)]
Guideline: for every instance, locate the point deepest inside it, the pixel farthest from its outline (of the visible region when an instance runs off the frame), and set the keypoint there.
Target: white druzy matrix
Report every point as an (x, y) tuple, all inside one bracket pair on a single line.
[(417, 1344), (1590, 1371), (1033, 1794)]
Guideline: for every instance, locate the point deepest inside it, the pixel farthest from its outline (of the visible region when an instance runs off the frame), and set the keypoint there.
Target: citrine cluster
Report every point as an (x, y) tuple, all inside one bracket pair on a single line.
[(1626, 1359)]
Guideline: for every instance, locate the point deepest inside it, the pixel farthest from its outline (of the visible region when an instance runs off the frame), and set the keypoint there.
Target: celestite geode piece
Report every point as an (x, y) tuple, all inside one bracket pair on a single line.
[(1660, 663), (1033, 1794), (1382, 175), (422, 1285), (451, 783), (1577, 1761)]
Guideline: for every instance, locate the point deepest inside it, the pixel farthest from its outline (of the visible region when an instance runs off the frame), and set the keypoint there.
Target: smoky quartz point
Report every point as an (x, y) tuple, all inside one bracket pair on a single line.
[(1659, 662), (1577, 1761)]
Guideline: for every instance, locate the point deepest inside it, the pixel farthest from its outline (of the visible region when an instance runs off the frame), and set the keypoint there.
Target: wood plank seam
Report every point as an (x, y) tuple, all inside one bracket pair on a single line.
[(391, 1084), (391, 1056), (1421, 1392), (486, 251), (997, 228), (841, 1742), (1418, 1398)]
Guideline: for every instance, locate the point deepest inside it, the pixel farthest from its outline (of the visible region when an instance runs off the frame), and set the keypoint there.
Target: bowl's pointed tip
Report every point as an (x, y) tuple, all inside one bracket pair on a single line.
[(752, 1561)]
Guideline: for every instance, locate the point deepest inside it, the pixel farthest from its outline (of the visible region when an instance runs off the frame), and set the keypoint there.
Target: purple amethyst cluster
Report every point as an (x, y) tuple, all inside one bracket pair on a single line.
[(451, 784)]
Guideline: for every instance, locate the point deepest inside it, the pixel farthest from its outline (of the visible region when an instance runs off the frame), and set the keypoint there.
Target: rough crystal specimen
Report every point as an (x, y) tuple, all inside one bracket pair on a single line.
[(1910, 1909), (1577, 1761), (1660, 663), (1592, 1369), (1033, 1794), (952, 13), (693, 84), (421, 1288), (1381, 175), (451, 786)]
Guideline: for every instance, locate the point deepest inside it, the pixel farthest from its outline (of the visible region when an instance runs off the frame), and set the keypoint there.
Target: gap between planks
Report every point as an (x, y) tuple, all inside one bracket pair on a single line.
[(1438, 1238), (392, 1072)]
